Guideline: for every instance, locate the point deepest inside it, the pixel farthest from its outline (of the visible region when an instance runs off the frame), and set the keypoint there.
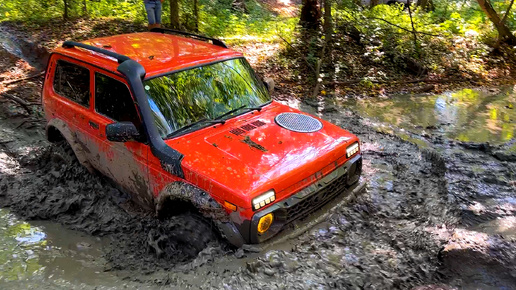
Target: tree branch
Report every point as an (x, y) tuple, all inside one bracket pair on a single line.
[(26, 105), (507, 12), (23, 79), (403, 28), (352, 82)]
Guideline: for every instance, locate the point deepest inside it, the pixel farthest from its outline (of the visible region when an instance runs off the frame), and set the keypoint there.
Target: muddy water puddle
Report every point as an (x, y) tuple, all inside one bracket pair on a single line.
[(35, 55), (469, 115), (45, 253)]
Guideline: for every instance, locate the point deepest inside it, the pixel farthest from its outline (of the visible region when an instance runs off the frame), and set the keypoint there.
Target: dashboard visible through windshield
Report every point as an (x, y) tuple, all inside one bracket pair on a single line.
[(203, 93)]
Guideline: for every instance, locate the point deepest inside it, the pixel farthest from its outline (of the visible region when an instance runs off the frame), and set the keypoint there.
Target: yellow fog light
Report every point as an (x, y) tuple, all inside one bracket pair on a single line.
[(265, 223)]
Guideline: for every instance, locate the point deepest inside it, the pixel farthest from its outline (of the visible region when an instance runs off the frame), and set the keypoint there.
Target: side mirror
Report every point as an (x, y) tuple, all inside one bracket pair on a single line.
[(122, 132), (269, 84)]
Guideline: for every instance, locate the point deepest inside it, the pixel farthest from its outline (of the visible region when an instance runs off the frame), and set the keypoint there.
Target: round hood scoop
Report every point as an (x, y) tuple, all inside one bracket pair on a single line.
[(298, 122)]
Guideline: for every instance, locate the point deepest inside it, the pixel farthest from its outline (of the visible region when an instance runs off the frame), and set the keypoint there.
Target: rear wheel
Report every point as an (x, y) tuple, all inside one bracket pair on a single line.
[(62, 153)]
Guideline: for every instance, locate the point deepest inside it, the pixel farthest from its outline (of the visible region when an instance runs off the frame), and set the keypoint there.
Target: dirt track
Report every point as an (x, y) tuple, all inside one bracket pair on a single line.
[(416, 224)]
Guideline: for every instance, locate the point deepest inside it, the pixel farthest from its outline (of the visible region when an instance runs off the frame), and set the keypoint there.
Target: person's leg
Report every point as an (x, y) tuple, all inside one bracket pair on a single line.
[(150, 8), (157, 13)]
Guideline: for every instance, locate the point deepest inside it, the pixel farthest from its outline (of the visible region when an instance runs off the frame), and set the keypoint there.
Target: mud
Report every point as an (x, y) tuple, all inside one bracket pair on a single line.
[(438, 212)]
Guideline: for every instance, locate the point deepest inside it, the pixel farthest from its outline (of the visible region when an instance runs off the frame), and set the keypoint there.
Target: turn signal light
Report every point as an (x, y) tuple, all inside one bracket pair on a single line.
[(265, 223), (230, 206)]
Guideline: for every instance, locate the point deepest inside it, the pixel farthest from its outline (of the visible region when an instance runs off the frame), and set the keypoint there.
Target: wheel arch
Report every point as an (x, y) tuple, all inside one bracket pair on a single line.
[(57, 130), (180, 196)]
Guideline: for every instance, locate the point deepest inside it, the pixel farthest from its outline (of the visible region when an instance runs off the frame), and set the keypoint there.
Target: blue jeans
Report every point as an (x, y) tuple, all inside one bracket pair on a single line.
[(153, 11)]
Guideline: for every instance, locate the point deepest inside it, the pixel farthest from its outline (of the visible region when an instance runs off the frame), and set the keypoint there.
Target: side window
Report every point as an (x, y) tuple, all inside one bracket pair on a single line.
[(73, 82), (113, 100)]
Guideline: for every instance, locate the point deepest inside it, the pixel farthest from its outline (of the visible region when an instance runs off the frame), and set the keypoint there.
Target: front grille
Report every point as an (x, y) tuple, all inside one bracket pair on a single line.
[(318, 199)]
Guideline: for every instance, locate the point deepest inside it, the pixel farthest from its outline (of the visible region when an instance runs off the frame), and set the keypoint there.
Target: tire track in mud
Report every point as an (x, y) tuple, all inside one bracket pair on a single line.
[(391, 236), (386, 239), (39, 186)]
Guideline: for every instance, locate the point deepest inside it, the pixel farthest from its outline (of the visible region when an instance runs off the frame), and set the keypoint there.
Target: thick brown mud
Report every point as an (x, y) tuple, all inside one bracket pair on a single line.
[(437, 210)]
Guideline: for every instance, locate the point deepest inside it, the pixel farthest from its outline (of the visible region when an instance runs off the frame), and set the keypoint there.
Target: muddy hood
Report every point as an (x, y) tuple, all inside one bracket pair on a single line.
[(248, 161)]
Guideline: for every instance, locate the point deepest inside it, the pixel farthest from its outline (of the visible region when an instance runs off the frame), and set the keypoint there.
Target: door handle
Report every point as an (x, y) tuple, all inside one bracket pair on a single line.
[(94, 125)]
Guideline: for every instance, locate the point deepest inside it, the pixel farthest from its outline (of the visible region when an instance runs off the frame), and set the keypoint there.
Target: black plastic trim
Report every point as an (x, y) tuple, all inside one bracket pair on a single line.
[(119, 57), (170, 158), (279, 208), (215, 41)]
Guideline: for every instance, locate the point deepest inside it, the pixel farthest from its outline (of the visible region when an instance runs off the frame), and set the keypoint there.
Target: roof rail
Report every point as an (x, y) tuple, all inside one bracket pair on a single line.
[(120, 58), (215, 41)]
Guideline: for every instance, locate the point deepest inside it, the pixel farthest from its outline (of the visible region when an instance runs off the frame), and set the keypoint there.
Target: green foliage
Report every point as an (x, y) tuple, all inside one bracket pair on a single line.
[(216, 17), (257, 23), (34, 10), (451, 36)]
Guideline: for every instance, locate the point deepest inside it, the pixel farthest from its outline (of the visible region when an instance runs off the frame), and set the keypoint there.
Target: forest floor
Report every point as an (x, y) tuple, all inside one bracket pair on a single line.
[(420, 223)]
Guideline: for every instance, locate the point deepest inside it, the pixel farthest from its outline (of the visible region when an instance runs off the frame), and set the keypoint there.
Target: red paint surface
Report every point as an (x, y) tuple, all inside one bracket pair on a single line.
[(158, 53), (215, 160)]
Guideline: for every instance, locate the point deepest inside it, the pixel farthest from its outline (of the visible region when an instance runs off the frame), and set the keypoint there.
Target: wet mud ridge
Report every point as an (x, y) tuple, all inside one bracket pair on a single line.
[(412, 225), (41, 186)]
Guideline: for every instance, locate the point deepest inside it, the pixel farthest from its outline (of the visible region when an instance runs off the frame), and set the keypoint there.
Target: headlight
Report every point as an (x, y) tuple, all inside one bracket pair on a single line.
[(352, 149), (264, 199)]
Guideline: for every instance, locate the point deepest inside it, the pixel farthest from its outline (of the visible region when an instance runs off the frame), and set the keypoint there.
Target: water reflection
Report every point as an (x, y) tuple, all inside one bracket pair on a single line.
[(43, 252), (18, 241), (466, 115)]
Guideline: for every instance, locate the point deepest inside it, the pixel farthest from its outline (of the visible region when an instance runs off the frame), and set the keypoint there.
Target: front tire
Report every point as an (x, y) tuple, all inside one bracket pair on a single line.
[(186, 234)]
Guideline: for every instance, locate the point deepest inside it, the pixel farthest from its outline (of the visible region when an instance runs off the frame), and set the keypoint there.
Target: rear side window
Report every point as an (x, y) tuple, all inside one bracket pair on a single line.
[(113, 100), (73, 82)]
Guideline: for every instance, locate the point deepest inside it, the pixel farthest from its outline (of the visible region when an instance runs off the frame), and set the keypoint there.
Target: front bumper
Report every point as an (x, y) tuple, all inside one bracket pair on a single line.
[(305, 202)]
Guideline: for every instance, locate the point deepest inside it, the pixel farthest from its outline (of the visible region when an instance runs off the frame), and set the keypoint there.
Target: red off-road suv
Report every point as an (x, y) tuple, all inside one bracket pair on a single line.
[(184, 124)]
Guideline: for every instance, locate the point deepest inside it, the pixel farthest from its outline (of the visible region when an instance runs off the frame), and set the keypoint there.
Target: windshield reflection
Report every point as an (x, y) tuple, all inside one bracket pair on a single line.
[(205, 92)]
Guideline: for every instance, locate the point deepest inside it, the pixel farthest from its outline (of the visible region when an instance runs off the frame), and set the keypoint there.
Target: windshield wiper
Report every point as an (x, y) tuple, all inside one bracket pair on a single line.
[(189, 126), (238, 109)]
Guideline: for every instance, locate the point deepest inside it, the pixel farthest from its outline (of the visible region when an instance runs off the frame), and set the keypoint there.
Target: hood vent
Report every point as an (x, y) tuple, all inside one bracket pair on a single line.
[(258, 123), (237, 131), (298, 122), (247, 127)]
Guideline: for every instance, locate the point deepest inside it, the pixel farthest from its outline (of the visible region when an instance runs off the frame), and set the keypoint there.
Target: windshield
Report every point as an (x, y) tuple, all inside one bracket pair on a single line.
[(201, 93)]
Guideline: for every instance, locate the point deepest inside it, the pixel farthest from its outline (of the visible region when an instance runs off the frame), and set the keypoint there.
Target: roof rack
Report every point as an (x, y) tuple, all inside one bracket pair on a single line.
[(120, 58), (215, 41)]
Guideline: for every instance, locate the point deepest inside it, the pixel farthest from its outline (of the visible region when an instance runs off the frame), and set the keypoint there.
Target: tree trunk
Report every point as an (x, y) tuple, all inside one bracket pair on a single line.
[(310, 14), (328, 34), (373, 3), (174, 14), (504, 33), (427, 5), (414, 31), (239, 5), (65, 14), (196, 15), (328, 26), (84, 8)]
